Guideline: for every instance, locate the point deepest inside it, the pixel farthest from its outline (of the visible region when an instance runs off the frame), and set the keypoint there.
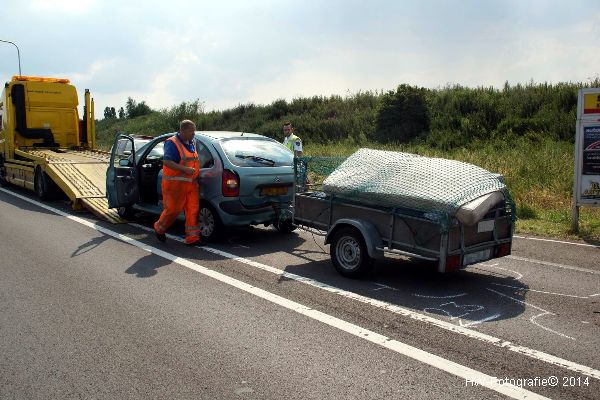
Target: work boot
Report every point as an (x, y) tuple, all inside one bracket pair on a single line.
[(193, 242), (161, 236)]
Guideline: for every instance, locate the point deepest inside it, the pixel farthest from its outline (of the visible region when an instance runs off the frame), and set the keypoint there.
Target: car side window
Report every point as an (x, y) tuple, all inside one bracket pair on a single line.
[(157, 152), (204, 155)]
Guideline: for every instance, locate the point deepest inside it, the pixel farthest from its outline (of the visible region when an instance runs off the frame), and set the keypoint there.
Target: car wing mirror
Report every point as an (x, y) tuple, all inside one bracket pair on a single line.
[(123, 162)]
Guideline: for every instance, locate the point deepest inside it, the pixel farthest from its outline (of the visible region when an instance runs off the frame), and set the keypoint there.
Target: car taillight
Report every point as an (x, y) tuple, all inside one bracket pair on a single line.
[(452, 263), (230, 184), (503, 250)]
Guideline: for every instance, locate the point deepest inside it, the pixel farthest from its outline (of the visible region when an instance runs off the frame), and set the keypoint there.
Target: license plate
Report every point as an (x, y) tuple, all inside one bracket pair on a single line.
[(274, 191), (473, 258), (485, 226)]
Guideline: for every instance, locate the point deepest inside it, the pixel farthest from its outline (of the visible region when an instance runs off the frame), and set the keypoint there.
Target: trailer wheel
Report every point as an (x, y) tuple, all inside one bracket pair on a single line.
[(349, 253), (44, 188)]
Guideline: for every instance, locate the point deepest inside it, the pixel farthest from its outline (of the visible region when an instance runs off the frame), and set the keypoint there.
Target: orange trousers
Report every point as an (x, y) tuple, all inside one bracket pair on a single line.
[(178, 197)]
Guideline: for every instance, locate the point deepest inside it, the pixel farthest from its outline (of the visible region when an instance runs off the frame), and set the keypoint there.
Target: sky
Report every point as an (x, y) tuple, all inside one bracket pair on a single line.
[(229, 52)]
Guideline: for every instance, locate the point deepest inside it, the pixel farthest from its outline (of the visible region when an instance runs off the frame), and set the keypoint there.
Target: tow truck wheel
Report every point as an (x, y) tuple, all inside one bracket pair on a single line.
[(3, 180), (210, 224), (349, 253), (42, 185)]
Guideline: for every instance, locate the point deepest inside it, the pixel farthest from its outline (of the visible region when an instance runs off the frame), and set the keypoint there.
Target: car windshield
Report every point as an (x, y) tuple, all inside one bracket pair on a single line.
[(257, 152)]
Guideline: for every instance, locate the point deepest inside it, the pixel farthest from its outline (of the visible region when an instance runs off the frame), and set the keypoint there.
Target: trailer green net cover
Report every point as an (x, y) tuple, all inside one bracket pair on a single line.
[(434, 187)]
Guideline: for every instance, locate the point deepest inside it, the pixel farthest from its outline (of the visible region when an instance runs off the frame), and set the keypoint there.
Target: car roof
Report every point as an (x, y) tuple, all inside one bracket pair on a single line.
[(227, 134), (221, 135)]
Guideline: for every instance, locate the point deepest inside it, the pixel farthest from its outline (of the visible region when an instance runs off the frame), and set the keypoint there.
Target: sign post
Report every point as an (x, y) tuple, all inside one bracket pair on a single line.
[(586, 182)]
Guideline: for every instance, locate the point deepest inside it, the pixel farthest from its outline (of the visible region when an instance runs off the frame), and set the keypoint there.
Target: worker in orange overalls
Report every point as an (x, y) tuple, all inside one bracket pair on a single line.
[(180, 184)]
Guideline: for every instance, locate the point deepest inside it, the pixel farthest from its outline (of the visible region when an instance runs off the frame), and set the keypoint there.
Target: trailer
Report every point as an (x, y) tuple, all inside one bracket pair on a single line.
[(45, 147), (360, 233)]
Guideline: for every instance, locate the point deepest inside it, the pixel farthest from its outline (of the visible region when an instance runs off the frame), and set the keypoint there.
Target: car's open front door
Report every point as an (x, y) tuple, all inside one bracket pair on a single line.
[(122, 187)]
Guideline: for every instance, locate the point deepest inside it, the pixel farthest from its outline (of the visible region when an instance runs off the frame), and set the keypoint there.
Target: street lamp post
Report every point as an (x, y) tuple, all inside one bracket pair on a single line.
[(18, 53)]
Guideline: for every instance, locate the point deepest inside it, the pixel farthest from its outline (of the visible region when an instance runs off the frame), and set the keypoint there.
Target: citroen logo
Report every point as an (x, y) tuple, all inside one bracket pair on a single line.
[(277, 179)]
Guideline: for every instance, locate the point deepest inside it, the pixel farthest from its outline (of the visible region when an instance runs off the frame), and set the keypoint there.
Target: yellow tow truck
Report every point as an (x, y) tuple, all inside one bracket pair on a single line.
[(45, 147)]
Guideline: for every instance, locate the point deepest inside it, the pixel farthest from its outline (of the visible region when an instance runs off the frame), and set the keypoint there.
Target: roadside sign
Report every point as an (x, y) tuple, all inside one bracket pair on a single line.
[(586, 182)]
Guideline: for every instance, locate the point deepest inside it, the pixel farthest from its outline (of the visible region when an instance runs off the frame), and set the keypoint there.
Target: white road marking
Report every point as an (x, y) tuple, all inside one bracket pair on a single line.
[(526, 351), (433, 360), (542, 291), (533, 319), (556, 241), (550, 264)]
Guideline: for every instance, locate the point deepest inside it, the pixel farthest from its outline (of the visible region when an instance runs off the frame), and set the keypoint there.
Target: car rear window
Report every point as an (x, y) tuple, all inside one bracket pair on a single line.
[(253, 152)]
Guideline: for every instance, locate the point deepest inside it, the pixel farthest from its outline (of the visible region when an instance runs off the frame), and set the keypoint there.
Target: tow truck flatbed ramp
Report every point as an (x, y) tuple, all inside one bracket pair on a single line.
[(81, 175)]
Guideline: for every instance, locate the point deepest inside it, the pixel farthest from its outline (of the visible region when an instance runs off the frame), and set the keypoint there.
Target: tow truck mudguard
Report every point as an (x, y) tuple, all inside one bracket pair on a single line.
[(369, 232)]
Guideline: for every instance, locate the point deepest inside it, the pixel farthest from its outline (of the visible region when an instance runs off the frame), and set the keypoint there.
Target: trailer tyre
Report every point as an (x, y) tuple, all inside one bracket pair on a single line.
[(349, 253)]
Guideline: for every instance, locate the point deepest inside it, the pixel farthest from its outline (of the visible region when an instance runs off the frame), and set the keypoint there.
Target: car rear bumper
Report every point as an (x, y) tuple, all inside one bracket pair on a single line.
[(234, 213)]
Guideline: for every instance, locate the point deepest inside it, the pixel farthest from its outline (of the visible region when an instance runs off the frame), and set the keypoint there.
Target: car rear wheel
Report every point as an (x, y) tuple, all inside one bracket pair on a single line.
[(211, 227)]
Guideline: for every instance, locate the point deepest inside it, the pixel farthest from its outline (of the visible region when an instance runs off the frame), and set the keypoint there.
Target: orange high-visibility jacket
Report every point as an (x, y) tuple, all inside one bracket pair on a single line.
[(177, 178)]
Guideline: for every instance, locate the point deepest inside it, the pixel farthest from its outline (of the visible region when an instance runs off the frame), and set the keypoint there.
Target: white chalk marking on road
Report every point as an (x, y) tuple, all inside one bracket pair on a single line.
[(465, 309), (557, 241), (533, 319), (585, 322), (382, 286), (542, 291), (474, 323), (439, 297), (526, 351), (355, 330), (550, 264), (594, 295)]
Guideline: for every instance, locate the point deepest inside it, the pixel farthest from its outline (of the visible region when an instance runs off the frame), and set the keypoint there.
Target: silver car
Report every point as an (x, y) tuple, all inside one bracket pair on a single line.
[(245, 179)]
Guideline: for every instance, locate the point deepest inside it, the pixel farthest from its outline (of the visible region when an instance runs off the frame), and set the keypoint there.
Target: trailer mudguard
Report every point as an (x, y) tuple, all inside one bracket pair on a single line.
[(369, 232)]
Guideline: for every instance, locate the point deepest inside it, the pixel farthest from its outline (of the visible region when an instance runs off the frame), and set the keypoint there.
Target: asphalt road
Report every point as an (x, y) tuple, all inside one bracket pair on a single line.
[(94, 310)]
